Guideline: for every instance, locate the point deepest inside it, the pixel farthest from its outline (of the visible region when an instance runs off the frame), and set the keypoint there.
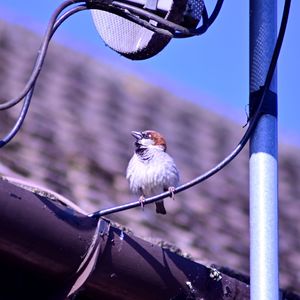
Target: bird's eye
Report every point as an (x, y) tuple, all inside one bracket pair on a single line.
[(147, 135)]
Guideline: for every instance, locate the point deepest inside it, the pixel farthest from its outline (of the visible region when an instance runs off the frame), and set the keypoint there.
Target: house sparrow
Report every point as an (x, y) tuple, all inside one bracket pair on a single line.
[(151, 170)]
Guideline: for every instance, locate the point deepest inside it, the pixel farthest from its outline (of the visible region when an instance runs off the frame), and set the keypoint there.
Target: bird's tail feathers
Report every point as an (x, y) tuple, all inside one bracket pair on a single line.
[(160, 208)]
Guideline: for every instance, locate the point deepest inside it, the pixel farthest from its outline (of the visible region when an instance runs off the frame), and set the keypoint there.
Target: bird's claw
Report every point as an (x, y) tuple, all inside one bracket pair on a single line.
[(171, 189), (141, 200)]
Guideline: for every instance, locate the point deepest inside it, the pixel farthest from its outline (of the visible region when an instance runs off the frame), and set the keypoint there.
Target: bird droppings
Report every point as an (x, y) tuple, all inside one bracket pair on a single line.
[(190, 286), (192, 293), (214, 274), (113, 275)]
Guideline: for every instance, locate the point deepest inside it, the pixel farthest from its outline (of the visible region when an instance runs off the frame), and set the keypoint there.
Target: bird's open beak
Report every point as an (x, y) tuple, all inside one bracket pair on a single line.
[(136, 134)]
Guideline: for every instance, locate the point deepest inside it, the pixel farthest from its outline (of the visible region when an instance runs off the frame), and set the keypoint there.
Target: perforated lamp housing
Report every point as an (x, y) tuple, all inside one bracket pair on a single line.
[(137, 42)]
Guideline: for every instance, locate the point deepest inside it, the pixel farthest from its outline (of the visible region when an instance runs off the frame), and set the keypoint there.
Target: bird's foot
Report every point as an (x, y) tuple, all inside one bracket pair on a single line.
[(141, 200), (171, 189)]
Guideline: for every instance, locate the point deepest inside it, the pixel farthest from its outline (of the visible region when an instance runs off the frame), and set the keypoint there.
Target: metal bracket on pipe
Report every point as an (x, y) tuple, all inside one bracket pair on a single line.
[(267, 107)]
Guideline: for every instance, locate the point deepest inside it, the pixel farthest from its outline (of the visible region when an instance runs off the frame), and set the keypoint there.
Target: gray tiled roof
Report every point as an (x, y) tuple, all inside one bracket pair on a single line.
[(76, 140)]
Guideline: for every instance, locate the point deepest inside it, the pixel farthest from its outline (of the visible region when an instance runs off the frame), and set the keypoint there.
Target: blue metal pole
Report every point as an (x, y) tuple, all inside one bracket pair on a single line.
[(263, 156)]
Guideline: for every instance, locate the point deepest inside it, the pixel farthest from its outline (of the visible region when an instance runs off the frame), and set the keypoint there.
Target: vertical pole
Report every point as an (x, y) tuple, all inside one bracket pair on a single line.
[(263, 156)]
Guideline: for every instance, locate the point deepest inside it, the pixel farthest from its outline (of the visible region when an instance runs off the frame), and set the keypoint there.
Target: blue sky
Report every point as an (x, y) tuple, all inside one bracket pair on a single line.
[(211, 69)]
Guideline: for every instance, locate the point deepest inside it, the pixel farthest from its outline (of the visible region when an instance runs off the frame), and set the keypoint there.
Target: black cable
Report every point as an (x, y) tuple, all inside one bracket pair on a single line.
[(20, 119), (241, 144), (68, 14), (51, 30), (136, 19), (176, 30), (206, 22), (215, 13), (41, 56), (147, 14)]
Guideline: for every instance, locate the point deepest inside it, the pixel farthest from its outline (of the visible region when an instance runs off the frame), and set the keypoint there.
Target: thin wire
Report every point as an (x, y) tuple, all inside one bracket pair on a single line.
[(41, 56), (215, 12), (207, 21), (136, 19), (178, 30), (240, 145), (149, 15), (19, 121), (9, 136), (68, 14)]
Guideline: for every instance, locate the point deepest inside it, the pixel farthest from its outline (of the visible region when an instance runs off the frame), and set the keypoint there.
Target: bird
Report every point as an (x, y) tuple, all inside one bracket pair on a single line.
[(151, 170)]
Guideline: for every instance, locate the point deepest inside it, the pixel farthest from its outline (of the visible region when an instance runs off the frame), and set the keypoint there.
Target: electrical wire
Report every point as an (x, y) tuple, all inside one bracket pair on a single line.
[(19, 121), (177, 30), (214, 14), (124, 13), (206, 21), (147, 14), (41, 56), (29, 88), (239, 147), (68, 14)]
